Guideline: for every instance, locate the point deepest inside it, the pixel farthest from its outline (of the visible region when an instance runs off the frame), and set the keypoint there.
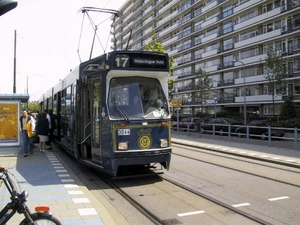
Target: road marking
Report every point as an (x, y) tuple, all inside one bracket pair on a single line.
[(87, 212), (241, 205), (81, 200), (190, 213), (278, 198), (290, 160)]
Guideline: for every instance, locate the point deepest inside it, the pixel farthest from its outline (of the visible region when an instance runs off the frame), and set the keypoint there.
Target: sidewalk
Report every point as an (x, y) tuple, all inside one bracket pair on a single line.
[(49, 183), (282, 155)]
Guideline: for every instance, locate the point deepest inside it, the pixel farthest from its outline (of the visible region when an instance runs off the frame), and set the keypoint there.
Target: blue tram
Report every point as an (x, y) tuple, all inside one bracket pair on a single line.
[(113, 112)]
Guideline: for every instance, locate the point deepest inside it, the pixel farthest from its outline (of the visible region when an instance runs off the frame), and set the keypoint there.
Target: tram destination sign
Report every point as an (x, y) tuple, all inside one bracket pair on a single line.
[(141, 61)]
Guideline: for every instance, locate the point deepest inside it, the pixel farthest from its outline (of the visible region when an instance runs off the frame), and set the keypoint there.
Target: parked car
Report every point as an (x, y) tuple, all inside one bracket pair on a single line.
[(221, 125), (260, 129), (191, 123)]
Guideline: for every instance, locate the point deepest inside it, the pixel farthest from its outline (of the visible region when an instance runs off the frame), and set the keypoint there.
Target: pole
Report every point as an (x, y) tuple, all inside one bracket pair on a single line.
[(15, 62), (245, 108)]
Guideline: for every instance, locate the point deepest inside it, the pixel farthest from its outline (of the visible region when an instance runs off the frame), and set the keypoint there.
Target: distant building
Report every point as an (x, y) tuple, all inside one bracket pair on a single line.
[(211, 35)]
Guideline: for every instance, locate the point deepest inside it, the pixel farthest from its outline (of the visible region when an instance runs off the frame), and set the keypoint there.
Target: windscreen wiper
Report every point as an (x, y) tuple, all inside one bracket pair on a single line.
[(120, 111)]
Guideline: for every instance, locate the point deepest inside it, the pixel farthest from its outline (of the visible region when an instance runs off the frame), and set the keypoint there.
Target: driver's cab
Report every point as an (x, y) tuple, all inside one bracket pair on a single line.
[(136, 97)]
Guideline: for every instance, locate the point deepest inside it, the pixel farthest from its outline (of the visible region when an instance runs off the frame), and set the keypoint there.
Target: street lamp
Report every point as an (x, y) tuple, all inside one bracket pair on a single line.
[(245, 109), (215, 99)]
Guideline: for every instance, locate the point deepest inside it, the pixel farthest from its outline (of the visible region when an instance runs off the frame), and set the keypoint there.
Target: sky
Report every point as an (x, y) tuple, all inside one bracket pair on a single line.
[(52, 37)]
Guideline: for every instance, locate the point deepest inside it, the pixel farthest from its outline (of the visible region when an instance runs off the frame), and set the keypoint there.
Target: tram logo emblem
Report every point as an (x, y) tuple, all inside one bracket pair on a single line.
[(145, 141)]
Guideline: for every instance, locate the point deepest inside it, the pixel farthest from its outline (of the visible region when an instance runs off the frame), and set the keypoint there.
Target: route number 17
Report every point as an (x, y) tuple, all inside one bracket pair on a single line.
[(122, 60)]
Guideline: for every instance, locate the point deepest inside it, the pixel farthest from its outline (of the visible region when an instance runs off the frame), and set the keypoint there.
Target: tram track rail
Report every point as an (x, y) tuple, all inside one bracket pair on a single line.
[(239, 154), (143, 210), (216, 201), (257, 162), (155, 218)]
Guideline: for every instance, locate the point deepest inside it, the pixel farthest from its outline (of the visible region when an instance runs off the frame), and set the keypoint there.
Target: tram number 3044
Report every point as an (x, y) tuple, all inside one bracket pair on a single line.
[(122, 132)]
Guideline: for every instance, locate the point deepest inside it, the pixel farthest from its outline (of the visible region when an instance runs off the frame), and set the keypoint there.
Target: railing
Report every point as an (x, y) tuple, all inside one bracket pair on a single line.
[(290, 140)]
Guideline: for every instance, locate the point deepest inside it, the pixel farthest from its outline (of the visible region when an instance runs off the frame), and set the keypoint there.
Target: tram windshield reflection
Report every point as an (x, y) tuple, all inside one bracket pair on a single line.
[(137, 97)]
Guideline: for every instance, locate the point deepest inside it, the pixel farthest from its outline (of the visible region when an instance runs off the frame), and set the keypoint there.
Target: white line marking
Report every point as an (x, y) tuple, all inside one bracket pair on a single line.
[(81, 200), (190, 213), (61, 171), (241, 204), (290, 160), (278, 198), (75, 192), (67, 180), (64, 175), (71, 186), (87, 212)]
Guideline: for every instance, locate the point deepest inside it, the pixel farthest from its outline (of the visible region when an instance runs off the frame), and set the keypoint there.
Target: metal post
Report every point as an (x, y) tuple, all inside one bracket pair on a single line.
[(245, 109)]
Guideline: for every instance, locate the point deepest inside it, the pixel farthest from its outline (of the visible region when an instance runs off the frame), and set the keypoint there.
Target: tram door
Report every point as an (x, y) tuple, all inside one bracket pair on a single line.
[(96, 120), (91, 120)]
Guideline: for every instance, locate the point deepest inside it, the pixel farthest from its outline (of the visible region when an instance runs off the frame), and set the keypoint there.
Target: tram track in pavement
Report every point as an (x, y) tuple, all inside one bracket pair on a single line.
[(239, 153), (145, 185), (157, 220), (253, 161)]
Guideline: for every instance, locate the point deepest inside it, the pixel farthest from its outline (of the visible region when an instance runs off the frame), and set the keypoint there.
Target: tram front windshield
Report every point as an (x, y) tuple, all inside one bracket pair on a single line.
[(136, 97)]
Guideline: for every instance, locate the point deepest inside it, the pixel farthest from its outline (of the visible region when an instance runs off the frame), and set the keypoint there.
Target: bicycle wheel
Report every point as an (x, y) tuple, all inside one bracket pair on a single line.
[(42, 219)]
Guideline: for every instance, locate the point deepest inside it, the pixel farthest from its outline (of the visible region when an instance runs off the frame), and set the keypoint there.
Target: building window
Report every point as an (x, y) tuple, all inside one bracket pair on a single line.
[(227, 27), (249, 53), (212, 47), (249, 34), (297, 20), (248, 16), (297, 87), (228, 44), (198, 53)]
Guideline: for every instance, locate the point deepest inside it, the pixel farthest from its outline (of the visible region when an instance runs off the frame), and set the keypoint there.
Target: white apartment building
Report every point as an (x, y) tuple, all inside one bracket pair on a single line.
[(211, 35)]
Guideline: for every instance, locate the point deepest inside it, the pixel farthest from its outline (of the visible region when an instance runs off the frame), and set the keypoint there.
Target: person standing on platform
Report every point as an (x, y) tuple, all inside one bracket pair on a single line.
[(43, 131), (48, 143), (53, 118), (31, 131), (25, 121)]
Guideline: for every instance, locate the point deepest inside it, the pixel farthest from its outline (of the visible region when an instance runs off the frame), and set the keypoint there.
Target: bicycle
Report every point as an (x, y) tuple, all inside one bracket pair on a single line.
[(18, 204)]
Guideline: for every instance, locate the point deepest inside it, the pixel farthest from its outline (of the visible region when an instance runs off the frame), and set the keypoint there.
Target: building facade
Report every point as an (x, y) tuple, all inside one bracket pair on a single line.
[(226, 39)]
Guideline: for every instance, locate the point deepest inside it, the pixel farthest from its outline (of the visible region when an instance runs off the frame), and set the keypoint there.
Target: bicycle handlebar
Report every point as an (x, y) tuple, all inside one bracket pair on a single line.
[(2, 169)]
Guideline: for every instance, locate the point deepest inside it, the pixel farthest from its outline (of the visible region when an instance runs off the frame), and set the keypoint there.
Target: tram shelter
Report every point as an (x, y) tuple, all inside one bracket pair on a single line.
[(10, 112)]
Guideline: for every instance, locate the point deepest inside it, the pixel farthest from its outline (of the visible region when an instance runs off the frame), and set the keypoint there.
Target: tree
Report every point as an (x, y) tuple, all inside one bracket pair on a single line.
[(288, 109), (156, 46), (276, 72), (32, 106), (202, 85), (170, 87)]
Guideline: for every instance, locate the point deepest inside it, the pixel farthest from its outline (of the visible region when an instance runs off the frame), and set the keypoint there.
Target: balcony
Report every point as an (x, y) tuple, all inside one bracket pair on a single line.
[(257, 98), (168, 17), (250, 79), (254, 59), (257, 19), (210, 53), (168, 42), (210, 21), (209, 6), (211, 68), (258, 38), (246, 5), (210, 37)]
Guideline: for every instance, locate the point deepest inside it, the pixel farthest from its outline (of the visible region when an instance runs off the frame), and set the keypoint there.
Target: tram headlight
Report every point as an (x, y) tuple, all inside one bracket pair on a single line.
[(163, 143), (123, 145)]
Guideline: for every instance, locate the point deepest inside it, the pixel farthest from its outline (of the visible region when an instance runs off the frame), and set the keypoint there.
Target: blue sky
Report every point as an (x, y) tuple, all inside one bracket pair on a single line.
[(48, 34)]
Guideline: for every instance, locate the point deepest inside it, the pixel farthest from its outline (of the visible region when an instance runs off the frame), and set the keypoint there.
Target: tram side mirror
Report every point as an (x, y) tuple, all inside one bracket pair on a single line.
[(7, 5), (159, 103)]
